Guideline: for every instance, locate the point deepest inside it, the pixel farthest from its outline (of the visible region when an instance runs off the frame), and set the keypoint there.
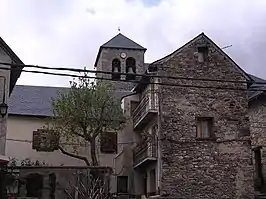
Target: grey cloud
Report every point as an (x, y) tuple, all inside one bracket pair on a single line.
[(64, 33)]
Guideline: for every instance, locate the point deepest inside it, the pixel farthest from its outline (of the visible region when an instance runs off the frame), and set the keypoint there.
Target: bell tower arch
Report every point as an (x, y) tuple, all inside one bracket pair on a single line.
[(121, 54)]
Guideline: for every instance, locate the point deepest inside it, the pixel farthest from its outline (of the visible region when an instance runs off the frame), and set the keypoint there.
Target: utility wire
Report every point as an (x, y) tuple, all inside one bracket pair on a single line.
[(134, 81), (65, 143), (119, 73)]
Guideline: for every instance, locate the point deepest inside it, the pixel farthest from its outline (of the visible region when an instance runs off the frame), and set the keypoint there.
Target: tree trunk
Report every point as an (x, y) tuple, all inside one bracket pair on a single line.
[(93, 152), (74, 155)]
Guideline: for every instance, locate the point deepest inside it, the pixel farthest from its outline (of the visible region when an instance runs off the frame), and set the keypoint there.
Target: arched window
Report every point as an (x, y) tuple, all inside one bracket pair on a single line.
[(130, 68), (116, 68)]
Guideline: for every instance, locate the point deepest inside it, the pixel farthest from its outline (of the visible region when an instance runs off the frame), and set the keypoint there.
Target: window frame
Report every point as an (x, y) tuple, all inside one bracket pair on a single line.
[(203, 51), (210, 126), (102, 148), (119, 187)]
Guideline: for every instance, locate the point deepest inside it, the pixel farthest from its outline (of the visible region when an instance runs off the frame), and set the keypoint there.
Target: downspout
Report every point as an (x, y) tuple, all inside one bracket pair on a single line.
[(159, 166)]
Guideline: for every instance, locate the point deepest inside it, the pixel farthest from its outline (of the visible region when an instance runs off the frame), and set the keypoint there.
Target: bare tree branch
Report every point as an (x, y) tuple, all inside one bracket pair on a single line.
[(88, 186), (74, 155)]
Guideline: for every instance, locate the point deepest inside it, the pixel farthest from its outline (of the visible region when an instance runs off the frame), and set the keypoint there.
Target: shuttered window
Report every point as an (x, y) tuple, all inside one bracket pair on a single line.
[(108, 142)]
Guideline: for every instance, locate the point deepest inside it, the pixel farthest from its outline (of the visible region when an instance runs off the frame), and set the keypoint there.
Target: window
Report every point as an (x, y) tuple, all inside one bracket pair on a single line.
[(202, 53), (122, 184), (116, 68), (109, 142), (152, 182), (133, 106), (205, 127), (130, 68)]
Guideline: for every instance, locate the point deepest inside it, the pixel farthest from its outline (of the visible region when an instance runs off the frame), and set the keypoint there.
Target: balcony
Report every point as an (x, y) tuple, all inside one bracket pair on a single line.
[(147, 108), (144, 154)]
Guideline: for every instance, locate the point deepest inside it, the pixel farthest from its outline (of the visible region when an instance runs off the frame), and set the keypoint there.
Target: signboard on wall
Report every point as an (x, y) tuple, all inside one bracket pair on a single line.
[(45, 140)]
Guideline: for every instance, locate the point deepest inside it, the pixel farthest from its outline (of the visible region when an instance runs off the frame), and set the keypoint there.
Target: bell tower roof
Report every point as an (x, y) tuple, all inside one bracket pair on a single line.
[(120, 42)]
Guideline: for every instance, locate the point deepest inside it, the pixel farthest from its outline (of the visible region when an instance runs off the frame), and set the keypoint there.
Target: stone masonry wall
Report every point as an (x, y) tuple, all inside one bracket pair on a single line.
[(257, 116), (105, 64), (193, 168)]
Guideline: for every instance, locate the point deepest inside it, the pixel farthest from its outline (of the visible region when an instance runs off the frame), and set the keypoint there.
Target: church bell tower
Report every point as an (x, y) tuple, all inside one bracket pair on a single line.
[(120, 54)]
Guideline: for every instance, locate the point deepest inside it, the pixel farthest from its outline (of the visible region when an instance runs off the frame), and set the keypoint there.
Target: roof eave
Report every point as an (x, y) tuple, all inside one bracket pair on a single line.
[(15, 73), (98, 57), (255, 97), (29, 115)]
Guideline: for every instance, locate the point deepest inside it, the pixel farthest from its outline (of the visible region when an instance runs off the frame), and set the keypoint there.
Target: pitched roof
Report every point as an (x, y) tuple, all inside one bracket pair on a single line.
[(260, 87), (164, 59), (37, 100), (14, 73), (119, 41)]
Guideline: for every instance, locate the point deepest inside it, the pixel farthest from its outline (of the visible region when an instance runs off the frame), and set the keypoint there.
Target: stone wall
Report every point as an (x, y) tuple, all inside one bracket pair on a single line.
[(257, 115), (216, 168), (105, 64)]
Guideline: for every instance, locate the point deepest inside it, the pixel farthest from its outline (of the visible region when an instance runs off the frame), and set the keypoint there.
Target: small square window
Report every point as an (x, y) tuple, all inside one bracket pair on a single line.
[(205, 127), (202, 53), (133, 106)]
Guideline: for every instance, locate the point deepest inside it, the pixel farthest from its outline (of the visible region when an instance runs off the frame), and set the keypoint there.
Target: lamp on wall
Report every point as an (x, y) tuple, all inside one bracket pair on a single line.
[(3, 109), (3, 105)]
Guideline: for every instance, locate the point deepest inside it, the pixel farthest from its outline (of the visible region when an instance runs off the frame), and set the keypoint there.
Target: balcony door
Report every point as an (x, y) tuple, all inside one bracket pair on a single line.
[(152, 190), (259, 180), (145, 181)]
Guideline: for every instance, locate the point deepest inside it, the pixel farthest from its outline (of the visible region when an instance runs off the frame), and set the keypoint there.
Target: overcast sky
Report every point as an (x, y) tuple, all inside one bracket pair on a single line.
[(68, 33)]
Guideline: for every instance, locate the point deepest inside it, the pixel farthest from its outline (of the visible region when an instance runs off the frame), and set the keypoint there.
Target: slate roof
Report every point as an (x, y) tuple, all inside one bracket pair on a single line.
[(261, 87), (37, 100), (121, 41)]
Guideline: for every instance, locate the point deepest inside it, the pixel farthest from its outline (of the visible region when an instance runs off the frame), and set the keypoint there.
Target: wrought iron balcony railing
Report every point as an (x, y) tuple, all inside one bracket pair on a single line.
[(147, 107), (145, 153)]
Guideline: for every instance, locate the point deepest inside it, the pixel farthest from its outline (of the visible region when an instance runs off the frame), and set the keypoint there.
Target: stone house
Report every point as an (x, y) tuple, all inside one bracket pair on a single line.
[(192, 141), (257, 115), (181, 141)]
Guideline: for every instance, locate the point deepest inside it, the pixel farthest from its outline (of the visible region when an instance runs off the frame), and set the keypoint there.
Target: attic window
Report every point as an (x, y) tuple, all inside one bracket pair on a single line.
[(202, 53)]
